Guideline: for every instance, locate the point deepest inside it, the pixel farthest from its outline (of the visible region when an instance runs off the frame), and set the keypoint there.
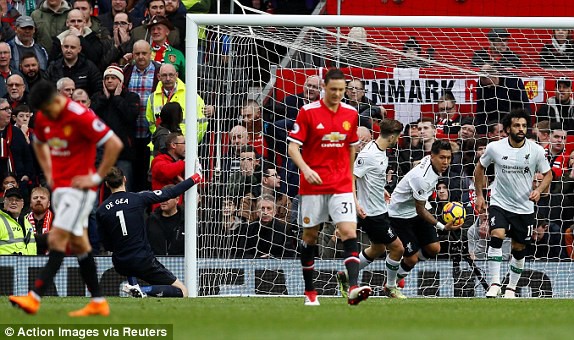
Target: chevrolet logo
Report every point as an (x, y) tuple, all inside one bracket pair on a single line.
[(334, 137)]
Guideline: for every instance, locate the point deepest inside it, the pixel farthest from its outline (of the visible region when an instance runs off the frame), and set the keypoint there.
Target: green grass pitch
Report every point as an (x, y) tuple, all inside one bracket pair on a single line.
[(288, 318)]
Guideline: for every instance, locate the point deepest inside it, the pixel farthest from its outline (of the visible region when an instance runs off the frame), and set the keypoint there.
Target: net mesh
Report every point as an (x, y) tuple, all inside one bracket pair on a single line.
[(258, 77)]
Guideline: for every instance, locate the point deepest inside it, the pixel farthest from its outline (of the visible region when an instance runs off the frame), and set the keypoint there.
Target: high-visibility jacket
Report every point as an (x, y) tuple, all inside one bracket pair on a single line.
[(158, 99), (15, 240)]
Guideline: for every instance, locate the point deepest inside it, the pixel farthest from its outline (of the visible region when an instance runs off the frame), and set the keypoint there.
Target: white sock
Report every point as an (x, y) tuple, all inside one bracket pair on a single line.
[(364, 261), (494, 261), (392, 268), (516, 268)]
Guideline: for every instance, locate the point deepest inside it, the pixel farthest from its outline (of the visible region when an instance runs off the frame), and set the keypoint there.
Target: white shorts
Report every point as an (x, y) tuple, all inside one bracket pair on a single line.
[(72, 207), (316, 209)]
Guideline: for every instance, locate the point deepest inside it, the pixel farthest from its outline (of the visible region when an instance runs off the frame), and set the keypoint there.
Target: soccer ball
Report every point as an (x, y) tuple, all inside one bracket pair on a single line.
[(454, 211)]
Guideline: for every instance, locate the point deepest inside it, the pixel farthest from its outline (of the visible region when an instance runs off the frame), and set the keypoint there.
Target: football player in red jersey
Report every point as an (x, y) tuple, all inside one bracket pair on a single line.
[(327, 131), (67, 134)]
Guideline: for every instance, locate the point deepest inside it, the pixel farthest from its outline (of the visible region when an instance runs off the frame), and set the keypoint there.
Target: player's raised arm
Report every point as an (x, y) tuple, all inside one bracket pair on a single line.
[(165, 194)]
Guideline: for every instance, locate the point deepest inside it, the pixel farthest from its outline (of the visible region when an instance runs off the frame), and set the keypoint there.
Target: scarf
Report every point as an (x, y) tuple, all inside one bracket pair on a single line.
[(561, 48), (159, 50), (47, 225), (5, 152)]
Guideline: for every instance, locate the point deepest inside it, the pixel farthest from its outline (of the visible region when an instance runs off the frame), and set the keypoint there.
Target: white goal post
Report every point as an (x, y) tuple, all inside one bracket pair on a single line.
[(194, 21)]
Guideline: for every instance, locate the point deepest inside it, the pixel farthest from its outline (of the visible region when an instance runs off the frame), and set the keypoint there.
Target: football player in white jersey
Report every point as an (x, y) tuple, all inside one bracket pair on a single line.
[(370, 173), (410, 219), (516, 160)]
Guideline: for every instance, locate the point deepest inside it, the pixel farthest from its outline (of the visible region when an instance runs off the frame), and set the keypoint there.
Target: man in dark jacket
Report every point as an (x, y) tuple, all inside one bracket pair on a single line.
[(496, 97), (559, 108), (268, 237), (31, 71), (119, 108), (72, 64), (166, 228), (14, 150)]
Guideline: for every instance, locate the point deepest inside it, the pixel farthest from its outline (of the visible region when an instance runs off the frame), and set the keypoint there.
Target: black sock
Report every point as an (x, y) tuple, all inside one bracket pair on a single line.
[(47, 274), (162, 291), (404, 270), (90, 273), (308, 264), (352, 261)]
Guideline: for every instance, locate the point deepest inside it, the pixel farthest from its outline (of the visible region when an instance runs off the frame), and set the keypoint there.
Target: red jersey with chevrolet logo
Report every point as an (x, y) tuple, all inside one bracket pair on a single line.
[(325, 137), (72, 139)]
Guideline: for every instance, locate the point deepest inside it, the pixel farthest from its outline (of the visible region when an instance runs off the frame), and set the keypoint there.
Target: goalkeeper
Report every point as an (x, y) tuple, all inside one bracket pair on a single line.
[(122, 228)]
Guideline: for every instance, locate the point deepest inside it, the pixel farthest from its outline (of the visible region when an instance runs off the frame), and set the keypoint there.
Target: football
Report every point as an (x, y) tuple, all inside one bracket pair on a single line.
[(454, 211)]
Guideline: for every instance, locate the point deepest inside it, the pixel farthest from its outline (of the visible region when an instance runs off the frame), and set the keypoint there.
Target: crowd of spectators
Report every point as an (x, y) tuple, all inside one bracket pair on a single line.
[(126, 63)]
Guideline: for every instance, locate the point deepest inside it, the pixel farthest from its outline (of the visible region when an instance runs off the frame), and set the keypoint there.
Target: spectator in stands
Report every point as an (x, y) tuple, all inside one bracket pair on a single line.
[(290, 107), (270, 183), (23, 43), (21, 117), (15, 231), (495, 132), (252, 120), (542, 132), (81, 96), (427, 133), (91, 45), (248, 178), (31, 71), (546, 241), (15, 154), (365, 136), (478, 238), (5, 69), (119, 109), (107, 19), (175, 12), (141, 77), (411, 150), (162, 51), (9, 181), (92, 22), (76, 66), (268, 237), (172, 89), (498, 53), (168, 168), (50, 19), (559, 108), (556, 150), (66, 86), (122, 39), (232, 230), (414, 57), (238, 137), (141, 32), (356, 53), (9, 14), (166, 228), (560, 52), (40, 217), (497, 96), (447, 119), (171, 117), (467, 130), (17, 94), (355, 96)]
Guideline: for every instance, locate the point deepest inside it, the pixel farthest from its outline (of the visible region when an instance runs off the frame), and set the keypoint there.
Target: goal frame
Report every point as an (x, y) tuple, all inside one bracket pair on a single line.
[(193, 21)]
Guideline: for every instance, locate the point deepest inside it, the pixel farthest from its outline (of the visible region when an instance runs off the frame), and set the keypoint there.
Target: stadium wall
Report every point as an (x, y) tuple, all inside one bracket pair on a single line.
[(283, 277)]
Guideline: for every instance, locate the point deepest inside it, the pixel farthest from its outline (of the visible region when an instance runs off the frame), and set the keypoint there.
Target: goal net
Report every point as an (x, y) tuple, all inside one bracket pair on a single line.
[(440, 82)]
